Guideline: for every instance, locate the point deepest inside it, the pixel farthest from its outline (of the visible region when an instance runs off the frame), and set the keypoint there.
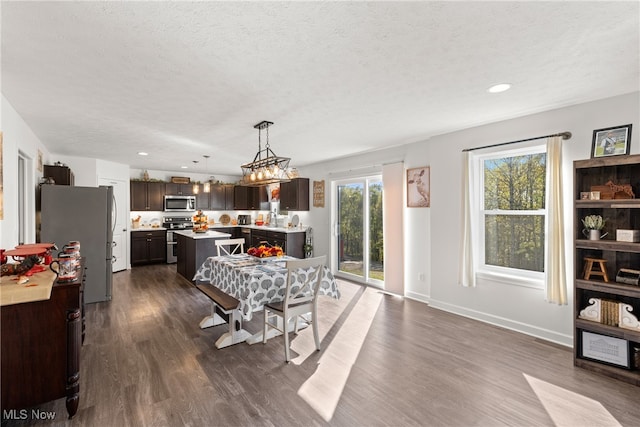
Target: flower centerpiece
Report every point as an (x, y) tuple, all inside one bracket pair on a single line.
[(265, 251), (593, 224)]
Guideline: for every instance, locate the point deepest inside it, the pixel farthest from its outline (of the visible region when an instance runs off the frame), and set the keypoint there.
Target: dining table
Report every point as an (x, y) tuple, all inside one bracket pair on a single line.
[(254, 282)]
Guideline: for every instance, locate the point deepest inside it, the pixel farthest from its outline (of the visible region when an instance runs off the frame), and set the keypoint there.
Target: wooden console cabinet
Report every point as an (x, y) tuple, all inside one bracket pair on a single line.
[(41, 344)]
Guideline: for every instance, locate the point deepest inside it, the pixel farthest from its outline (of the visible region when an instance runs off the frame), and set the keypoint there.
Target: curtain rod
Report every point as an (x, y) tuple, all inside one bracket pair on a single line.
[(564, 135)]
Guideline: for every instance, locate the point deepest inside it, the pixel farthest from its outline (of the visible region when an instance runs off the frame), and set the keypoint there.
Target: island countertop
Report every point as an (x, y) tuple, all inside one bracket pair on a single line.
[(209, 234)]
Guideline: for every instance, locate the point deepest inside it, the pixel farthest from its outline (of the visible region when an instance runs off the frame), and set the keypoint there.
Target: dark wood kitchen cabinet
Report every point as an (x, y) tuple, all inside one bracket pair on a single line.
[(219, 198), (61, 175), (291, 243), (203, 200), (41, 343), (294, 195), (173, 189), (148, 247), (147, 196), (250, 198)]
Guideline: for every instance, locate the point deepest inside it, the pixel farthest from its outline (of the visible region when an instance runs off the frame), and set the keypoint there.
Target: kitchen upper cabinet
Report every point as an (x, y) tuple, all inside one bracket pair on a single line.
[(250, 198), (294, 195), (61, 175), (202, 198), (147, 196), (220, 197), (174, 189)]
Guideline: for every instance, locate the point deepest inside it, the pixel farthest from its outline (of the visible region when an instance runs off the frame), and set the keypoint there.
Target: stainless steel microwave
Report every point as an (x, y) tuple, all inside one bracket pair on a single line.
[(179, 203)]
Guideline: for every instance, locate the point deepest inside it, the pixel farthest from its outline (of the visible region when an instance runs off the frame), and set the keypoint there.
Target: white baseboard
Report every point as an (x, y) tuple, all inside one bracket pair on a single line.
[(545, 334)]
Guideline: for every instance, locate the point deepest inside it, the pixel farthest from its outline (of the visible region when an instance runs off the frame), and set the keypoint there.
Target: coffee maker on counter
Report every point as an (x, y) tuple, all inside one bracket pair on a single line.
[(244, 219)]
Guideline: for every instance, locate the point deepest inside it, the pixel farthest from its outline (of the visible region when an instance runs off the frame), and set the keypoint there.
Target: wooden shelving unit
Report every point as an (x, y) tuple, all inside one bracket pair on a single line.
[(619, 214)]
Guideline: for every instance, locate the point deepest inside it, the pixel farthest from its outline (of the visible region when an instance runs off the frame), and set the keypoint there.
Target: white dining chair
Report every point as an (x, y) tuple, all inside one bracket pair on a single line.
[(300, 298), (230, 246)]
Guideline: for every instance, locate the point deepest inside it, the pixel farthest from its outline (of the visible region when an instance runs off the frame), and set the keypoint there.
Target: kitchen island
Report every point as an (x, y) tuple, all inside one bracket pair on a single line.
[(194, 248)]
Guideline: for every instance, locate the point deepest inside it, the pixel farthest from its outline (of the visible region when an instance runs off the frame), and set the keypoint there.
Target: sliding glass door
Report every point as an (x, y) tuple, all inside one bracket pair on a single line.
[(359, 240)]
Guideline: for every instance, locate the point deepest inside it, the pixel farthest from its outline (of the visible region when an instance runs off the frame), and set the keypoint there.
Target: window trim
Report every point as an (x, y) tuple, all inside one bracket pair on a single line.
[(503, 275)]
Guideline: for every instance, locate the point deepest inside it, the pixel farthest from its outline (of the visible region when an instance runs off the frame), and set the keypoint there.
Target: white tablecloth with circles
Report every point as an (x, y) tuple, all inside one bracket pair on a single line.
[(254, 282)]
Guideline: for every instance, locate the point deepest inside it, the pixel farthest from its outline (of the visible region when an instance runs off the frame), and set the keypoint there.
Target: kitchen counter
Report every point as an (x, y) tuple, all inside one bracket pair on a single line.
[(209, 234), (148, 229), (38, 288), (262, 227)]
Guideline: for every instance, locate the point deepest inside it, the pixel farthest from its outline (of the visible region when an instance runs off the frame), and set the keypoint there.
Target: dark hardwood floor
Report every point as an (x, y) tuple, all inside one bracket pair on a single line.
[(385, 361)]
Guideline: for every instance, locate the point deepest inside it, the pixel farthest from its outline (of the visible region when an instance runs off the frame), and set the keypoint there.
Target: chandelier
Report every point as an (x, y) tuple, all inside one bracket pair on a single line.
[(266, 167)]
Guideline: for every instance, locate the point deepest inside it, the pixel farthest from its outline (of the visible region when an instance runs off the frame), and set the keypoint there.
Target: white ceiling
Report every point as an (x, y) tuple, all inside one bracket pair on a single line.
[(184, 79)]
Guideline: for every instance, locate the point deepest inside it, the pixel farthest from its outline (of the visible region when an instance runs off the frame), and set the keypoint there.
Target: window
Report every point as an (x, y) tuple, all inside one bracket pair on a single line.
[(511, 200)]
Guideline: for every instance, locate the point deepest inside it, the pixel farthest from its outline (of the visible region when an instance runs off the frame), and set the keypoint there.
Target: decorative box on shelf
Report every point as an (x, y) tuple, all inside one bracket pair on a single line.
[(628, 235), (606, 349), (628, 276)]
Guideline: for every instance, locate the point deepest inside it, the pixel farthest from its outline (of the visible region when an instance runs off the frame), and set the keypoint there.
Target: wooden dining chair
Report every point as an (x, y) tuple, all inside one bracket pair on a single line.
[(230, 246), (300, 298)]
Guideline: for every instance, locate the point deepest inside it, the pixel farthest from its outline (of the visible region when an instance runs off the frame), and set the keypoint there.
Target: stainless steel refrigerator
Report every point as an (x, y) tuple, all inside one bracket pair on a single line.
[(85, 214)]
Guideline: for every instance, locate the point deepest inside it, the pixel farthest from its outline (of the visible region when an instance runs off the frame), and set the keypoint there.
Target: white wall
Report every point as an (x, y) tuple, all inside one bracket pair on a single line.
[(432, 235), (507, 305), (17, 136)]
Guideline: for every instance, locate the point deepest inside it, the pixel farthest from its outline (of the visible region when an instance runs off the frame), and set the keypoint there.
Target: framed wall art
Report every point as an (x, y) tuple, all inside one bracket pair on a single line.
[(614, 141), (418, 187), (318, 194)]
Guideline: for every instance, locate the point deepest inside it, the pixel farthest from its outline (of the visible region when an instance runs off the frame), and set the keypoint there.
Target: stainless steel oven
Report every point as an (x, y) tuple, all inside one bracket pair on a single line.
[(172, 224)]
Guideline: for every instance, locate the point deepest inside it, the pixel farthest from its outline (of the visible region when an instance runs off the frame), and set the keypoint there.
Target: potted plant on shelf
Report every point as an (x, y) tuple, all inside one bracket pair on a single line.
[(593, 225)]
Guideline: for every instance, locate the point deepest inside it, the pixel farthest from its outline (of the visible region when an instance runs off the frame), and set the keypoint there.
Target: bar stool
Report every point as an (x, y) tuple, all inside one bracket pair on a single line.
[(589, 271)]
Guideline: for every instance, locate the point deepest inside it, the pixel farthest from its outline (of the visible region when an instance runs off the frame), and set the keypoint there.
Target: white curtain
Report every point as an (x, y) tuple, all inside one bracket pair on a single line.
[(467, 262), (393, 203), (555, 276)]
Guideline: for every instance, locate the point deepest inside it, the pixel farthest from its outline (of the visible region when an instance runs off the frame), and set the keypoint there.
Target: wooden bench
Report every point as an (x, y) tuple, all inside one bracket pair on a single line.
[(224, 310)]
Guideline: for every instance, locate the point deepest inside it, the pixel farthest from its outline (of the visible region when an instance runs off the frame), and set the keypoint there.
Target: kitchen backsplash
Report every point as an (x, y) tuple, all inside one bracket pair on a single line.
[(154, 218)]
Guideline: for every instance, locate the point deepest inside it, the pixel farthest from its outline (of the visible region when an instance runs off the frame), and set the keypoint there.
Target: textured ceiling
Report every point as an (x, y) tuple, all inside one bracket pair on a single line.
[(181, 80)]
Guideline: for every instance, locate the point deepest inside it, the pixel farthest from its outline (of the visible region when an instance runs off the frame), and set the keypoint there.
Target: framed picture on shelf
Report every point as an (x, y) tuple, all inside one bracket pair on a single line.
[(614, 351), (418, 188), (614, 141)]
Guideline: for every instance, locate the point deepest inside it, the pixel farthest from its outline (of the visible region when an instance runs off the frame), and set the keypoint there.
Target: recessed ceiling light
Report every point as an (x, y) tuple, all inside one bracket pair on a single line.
[(142, 153), (184, 167), (499, 88)]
